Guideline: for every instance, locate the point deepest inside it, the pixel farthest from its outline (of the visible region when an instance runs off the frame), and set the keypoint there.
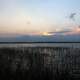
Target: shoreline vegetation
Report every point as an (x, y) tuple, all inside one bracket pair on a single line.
[(39, 63)]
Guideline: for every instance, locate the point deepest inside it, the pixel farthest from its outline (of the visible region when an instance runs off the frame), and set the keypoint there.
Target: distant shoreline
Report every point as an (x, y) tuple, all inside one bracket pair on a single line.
[(33, 42)]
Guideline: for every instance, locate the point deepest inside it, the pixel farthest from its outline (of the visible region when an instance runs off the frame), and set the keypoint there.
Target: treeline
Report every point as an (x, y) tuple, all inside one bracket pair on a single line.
[(35, 63)]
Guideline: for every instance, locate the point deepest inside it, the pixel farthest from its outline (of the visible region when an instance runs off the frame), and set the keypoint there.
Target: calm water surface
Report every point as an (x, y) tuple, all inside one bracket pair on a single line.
[(74, 45)]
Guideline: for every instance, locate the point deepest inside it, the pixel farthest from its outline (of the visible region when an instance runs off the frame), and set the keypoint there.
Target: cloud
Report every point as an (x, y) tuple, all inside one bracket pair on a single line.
[(72, 31), (72, 16)]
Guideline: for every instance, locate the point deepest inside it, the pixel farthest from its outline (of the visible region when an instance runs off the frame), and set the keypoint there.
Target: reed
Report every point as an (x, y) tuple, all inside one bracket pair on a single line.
[(39, 63)]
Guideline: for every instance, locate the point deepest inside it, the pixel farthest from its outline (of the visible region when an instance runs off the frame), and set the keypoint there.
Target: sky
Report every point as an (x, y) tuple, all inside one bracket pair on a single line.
[(39, 16)]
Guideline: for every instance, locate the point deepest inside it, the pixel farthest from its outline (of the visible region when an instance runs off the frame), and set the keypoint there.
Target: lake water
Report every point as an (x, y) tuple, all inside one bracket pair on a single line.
[(74, 45)]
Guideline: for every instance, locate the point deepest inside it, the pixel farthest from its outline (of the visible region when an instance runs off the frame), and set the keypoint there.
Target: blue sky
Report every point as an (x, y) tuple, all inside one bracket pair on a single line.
[(27, 16)]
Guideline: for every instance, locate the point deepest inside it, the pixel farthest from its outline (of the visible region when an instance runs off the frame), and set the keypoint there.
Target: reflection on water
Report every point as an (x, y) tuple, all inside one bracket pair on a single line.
[(74, 45)]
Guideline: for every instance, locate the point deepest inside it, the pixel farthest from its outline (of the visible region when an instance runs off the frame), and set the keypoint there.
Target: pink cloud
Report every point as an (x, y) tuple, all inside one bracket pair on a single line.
[(74, 31)]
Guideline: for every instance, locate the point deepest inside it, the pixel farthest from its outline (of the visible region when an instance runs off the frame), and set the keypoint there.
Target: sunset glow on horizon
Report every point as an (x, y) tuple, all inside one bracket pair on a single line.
[(39, 17)]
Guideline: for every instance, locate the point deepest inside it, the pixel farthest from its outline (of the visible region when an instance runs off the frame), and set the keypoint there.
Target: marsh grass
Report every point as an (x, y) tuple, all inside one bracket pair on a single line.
[(35, 63)]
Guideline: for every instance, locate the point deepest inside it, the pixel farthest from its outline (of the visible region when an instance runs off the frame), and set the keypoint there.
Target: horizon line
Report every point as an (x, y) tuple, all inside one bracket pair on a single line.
[(36, 42)]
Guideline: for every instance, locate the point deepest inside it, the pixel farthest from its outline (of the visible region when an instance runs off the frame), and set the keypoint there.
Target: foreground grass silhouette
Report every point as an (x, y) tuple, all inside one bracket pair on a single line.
[(39, 63)]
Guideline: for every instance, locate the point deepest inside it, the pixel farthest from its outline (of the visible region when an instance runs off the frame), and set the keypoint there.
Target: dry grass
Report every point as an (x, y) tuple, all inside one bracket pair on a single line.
[(40, 63)]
